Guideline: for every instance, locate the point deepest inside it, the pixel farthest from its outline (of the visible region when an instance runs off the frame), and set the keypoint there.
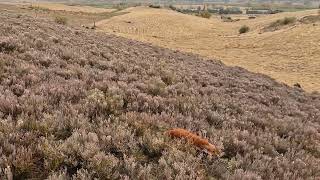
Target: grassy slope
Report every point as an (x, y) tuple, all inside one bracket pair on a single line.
[(62, 7), (83, 104), (73, 18), (289, 55)]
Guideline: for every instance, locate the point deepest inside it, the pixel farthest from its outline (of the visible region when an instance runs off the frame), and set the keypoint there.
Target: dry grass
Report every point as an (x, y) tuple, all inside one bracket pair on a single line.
[(74, 18), (63, 7), (289, 55)]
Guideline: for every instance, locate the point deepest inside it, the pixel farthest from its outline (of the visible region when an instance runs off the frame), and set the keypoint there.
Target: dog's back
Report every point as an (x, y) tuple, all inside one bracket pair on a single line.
[(194, 139)]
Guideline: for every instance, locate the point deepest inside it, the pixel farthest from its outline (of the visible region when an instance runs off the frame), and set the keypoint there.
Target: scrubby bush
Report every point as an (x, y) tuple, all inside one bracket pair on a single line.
[(288, 20), (244, 29), (283, 22), (204, 14), (100, 110), (7, 45), (155, 6), (280, 23), (61, 20), (156, 86)]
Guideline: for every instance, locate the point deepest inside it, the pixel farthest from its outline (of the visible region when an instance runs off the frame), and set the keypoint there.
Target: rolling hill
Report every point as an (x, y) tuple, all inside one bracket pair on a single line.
[(73, 8), (289, 55), (76, 104)]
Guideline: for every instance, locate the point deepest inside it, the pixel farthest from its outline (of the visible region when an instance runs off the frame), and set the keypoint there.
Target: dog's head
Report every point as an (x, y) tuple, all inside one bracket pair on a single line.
[(212, 149)]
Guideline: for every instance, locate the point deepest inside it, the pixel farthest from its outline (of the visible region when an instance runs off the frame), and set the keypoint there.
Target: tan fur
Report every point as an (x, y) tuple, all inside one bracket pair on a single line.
[(194, 139)]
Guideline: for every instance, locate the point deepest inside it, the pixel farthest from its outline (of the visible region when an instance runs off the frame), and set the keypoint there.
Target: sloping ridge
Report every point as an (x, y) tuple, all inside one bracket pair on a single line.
[(80, 104), (290, 55)]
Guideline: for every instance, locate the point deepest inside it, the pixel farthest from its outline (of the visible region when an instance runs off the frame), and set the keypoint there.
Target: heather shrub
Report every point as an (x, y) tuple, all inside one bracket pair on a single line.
[(93, 106), (99, 102), (61, 20), (9, 105), (2, 67), (7, 45), (156, 87), (168, 77), (105, 165)]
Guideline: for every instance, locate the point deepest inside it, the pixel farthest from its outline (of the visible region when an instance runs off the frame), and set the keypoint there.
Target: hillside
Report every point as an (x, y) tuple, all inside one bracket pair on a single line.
[(75, 15), (290, 55), (80, 104), (73, 8)]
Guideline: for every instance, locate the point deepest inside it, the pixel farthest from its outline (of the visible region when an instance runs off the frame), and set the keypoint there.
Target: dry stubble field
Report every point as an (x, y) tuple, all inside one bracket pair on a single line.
[(290, 55)]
